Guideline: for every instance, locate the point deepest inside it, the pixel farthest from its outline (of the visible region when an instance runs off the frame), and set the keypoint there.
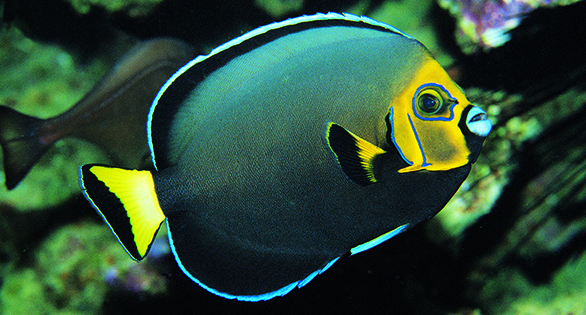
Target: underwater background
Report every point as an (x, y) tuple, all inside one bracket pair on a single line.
[(511, 241)]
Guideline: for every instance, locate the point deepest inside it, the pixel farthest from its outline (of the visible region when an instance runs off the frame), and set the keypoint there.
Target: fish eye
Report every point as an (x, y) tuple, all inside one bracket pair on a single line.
[(429, 101)]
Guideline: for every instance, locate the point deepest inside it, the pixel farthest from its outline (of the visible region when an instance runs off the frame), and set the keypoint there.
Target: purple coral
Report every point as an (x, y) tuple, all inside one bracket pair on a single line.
[(494, 14), (137, 278), (143, 277), (491, 20), (486, 22)]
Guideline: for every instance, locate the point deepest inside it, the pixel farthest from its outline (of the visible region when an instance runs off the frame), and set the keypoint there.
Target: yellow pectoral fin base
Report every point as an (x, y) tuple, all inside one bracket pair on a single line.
[(355, 155), (127, 201), (411, 168)]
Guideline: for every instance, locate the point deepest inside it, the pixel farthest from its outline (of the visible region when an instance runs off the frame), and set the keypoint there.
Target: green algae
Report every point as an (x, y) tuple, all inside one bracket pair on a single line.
[(411, 17), (66, 276), (23, 286), (540, 227), (415, 19), (509, 292), (134, 8), (280, 8), (43, 81), (69, 270)]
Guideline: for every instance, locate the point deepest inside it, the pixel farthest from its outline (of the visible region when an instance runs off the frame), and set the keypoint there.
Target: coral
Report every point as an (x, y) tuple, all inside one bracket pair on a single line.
[(143, 277), (74, 269), (24, 286), (527, 264), (511, 293), (43, 81), (485, 23), (40, 79)]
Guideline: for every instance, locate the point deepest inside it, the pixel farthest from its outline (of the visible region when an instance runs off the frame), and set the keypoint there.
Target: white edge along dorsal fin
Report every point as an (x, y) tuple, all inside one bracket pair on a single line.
[(255, 32)]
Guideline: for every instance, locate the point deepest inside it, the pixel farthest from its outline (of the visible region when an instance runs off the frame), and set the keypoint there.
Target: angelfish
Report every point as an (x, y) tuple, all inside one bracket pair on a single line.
[(289, 147)]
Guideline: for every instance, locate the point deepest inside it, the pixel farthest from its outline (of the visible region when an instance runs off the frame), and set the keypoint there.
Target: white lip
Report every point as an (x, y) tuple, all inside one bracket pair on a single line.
[(478, 123)]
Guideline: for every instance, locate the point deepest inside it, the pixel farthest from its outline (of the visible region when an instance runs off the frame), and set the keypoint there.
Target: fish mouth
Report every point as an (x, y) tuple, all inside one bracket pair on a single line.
[(477, 122)]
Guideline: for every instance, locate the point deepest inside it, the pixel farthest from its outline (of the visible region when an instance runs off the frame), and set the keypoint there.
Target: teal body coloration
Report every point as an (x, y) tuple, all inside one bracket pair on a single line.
[(275, 154)]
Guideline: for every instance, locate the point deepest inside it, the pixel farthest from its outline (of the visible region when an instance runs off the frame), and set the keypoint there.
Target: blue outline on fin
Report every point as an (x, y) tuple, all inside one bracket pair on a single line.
[(249, 298), (436, 118), (395, 141), (374, 242), (305, 281), (418, 143), (91, 201)]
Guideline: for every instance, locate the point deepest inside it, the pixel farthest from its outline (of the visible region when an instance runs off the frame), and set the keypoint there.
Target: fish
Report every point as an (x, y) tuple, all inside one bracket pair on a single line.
[(291, 146), (118, 104)]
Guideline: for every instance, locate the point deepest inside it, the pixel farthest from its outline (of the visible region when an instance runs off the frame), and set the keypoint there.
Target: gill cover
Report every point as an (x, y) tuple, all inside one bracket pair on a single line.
[(424, 121)]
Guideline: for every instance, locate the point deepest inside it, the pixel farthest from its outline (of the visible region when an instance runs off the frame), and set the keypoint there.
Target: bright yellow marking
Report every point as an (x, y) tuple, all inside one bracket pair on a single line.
[(366, 152), (136, 191), (442, 141), (411, 168)]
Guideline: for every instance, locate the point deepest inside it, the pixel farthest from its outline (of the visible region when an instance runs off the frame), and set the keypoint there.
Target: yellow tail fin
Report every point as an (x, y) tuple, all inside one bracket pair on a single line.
[(127, 201)]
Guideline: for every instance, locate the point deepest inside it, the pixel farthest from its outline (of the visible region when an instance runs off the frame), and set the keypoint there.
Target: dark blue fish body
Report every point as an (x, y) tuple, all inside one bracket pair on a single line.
[(289, 147)]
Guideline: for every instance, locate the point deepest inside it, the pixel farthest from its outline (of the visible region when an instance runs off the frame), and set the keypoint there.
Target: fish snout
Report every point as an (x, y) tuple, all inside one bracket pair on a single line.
[(477, 122)]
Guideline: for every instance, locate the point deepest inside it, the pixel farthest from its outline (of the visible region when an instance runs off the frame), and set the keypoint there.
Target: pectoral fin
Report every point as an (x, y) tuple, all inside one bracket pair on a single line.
[(354, 155)]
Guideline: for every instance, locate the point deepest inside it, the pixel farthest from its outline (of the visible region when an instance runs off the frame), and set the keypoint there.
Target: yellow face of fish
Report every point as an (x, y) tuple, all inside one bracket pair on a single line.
[(425, 118)]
